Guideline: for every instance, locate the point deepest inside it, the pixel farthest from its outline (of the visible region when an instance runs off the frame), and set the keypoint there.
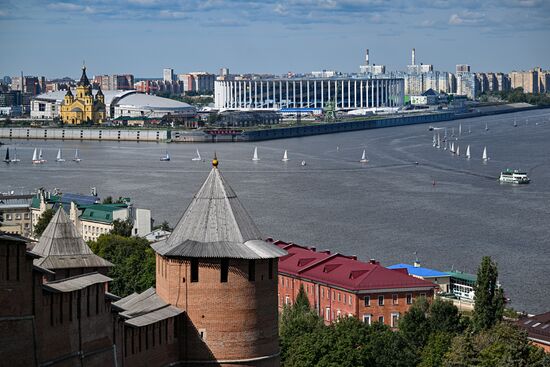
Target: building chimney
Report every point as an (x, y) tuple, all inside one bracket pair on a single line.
[(312, 248), (413, 57), (367, 58)]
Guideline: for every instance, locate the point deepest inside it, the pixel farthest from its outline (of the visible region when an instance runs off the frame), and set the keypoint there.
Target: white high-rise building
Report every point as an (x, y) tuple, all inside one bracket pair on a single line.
[(168, 75)]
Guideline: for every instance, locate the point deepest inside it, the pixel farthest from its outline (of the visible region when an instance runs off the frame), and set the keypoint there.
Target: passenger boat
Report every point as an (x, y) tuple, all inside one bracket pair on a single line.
[(514, 176)]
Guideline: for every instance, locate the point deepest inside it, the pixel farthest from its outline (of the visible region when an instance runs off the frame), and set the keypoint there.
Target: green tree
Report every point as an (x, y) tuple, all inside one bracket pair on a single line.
[(414, 325), (489, 298), (43, 222), (122, 227), (133, 259), (501, 346), (445, 317), (297, 320), (434, 351), (165, 226)]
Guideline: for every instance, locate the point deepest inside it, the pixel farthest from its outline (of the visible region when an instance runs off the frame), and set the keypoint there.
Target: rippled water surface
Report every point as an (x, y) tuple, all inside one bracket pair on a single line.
[(450, 210)]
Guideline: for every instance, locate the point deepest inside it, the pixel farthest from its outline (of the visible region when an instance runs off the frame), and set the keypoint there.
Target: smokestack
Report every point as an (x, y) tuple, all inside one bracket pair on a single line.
[(367, 58), (413, 57)]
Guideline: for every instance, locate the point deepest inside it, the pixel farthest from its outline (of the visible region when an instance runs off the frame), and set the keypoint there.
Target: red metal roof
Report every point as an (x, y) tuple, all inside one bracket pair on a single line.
[(343, 271)]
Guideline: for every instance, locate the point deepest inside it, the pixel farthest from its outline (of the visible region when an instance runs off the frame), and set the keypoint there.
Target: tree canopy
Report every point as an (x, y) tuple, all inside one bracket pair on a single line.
[(43, 222), (489, 298), (122, 227), (133, 259)]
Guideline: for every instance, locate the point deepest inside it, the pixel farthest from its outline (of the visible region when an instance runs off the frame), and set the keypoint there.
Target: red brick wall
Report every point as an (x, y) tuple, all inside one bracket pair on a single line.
[(342, 303), (400, 306), (238, 319), (15, 280)]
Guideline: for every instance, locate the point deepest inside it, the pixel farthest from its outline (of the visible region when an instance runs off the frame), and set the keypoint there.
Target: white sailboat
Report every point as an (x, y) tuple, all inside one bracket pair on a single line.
[(7, 159), (438, 141), (59, 157), (35, 159), (486, 127), (515, 123), (485, 157), (15, 159), (285, 157), (165, 157), (452, 150), (468, 152), (457, 149), (197, 157), (459, 129), (76, 157), (434, 141), (469, 129), (445, 146), (255, 157), (303, 163), (364, 158), (40, 157)]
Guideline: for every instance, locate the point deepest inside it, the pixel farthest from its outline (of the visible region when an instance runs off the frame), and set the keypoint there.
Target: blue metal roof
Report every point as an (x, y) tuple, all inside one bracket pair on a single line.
[(67, 198), (419, 271)]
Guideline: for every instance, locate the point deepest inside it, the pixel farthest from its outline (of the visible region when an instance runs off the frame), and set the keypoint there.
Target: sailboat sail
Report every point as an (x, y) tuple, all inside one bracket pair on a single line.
[(7, 159), (364, 157), (76, 157), (485, 157), (468, 152), (457, 149), (255, 157), (438, 141), (198, 157), (59, 156), (285, 156), (15, 159), (434, 140), (459, 129), (35, 155)]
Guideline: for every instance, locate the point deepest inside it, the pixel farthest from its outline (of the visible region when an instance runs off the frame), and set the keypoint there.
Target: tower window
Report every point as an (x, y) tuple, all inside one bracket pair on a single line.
[(224, 270), (251, 270), (194, 270)]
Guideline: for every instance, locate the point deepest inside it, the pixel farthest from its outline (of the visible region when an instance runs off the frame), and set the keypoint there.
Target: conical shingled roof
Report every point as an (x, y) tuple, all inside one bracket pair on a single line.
[(61, 247), (217, 225), (84, 78)]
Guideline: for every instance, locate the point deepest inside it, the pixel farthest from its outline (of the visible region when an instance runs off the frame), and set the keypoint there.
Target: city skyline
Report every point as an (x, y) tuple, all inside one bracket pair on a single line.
[(144, 36)]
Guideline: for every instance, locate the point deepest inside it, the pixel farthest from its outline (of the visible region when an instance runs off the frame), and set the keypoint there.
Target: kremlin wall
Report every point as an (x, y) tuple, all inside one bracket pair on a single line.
[(219, 286)]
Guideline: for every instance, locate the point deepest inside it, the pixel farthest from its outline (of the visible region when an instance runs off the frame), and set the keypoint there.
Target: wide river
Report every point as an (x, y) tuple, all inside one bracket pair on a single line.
[(448, 210)]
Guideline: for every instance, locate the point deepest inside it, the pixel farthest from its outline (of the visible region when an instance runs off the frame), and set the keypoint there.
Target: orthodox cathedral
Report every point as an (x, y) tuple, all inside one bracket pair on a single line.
[(84, 107)]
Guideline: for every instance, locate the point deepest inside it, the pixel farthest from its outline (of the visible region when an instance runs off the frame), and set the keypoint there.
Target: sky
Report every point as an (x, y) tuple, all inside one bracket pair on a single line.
[(141, 37)]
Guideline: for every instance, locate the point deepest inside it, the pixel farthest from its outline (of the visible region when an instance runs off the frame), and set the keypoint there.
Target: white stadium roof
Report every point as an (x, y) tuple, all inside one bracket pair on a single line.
[(147, 101), (58, 96)]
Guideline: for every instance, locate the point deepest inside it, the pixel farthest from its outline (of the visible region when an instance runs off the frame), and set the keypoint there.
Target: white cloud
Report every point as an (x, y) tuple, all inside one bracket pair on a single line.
[(169, 14), (65, 7), (467, 18)]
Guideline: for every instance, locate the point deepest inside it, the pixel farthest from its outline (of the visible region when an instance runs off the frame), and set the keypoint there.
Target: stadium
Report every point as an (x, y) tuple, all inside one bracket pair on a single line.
[(118, 103)]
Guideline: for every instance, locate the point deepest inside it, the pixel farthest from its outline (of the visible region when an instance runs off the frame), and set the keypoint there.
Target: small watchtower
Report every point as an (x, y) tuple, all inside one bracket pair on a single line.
[(217, 268)]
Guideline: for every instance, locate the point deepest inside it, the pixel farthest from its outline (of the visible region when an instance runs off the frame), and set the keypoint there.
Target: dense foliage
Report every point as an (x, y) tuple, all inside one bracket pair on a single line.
[(133, 259), (489, 298), (431, 334), (122, 227), (517, 95), (43, 222)]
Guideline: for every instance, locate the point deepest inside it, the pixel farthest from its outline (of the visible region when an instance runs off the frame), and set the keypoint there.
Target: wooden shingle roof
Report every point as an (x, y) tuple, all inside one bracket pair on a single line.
[(217, 225), (62, 247)]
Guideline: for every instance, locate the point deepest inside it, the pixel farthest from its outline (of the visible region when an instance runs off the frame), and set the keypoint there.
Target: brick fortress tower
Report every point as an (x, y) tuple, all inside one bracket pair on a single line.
[(216, 267)]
